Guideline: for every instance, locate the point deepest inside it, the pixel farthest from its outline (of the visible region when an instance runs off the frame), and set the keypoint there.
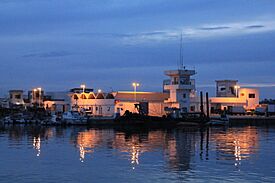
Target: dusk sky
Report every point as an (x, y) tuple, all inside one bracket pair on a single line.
[(108, 44)]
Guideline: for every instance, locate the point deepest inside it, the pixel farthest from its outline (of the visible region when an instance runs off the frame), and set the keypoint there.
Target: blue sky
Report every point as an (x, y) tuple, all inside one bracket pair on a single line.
[(108, 44)]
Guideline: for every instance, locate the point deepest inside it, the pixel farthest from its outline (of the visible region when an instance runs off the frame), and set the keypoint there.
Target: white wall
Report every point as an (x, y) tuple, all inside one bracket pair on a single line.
[(251, 103)]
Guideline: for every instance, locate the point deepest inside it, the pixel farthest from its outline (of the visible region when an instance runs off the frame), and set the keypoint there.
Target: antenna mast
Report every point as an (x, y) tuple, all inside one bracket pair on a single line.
[(181, 64)]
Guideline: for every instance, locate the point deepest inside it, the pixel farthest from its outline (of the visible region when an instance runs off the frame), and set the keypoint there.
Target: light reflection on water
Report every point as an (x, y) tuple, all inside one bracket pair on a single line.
[(79, 154)]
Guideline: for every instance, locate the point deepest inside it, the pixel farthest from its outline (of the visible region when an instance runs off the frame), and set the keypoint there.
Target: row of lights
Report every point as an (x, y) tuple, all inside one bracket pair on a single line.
[(134, 84), (83, 86)]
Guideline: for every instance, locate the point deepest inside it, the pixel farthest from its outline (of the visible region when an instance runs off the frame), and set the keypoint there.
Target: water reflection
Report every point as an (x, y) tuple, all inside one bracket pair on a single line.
[(86, 141), (36, 144), (237, 144), (179, 148)]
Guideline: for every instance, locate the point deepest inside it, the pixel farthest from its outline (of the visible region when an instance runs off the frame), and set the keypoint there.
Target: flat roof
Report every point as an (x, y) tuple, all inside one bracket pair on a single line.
[(140, 96), (16, 91), (226, 80), (227, 100)]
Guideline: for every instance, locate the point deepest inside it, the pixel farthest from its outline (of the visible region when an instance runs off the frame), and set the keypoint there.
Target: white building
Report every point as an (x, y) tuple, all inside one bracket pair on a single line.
[(16, 98), (179, 86), (57, 101), (152, 102), (95, 104), (229, 94)]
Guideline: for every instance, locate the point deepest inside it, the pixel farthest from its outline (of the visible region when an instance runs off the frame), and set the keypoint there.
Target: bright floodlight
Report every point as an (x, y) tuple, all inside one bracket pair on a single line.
[(135, 84)]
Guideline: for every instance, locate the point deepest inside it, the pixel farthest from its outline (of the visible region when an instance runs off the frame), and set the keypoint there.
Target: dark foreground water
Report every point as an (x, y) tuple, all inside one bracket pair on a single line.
[(41, 154)]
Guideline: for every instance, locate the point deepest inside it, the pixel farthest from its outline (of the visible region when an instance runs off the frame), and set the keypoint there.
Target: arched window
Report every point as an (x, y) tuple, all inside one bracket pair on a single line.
[(91, 96), (110, 96), (83, 96), (75, 97), (100, 96)]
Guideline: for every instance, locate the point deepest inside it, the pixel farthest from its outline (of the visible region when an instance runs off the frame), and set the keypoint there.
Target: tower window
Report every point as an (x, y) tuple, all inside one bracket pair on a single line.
[(251, 95), (184, 95)]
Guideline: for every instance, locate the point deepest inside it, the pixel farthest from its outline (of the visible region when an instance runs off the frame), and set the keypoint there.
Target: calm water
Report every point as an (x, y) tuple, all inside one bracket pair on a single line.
[(41, 154)]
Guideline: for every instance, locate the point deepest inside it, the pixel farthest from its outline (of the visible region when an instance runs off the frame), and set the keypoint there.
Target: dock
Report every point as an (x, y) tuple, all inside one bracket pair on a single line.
[(251, 120)]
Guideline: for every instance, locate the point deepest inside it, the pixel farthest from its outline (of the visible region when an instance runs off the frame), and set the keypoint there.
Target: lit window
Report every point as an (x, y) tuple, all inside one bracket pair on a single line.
[(242, 94)]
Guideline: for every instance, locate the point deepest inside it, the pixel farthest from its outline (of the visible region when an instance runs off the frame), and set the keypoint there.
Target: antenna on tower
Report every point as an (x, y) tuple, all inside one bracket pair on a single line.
[(181, 64)]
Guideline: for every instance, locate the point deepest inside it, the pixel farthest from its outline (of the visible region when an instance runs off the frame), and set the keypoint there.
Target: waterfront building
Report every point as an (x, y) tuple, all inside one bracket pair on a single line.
[(226, 88), (107, 104), (151, 102), (16, 98), (36, 97), (229, 94), (57, 101), (94, 104), (179, 86)]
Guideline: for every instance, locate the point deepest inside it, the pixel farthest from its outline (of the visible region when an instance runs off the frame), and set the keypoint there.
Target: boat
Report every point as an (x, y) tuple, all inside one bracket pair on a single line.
[(223, 120), (73, 118)]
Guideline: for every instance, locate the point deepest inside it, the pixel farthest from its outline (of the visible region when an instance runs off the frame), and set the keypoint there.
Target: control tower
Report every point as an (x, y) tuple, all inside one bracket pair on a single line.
[(180, 85)]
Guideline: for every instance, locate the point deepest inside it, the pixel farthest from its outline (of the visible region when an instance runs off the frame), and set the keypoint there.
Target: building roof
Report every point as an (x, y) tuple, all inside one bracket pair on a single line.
[(141, 96), (226, 80), (80, 90), (16, 91), (227, 100)]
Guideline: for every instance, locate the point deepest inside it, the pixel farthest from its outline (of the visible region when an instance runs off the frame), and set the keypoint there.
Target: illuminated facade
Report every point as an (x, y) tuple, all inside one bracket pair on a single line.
[(36, 97), (153, 102), (228, 94), (94, 104)]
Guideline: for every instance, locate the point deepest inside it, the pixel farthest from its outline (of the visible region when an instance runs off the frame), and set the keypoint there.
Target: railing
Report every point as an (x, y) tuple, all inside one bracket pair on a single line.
[(169, 82)]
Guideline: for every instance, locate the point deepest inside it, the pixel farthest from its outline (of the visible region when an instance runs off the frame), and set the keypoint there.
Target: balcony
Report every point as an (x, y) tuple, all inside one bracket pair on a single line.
[(169, 85), (180, 72)]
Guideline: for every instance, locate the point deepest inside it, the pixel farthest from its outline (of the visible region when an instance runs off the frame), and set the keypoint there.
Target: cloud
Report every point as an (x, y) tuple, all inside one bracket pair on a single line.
[(254, 85), (48, 54), (254, 26), (258, 85), (214, 28), (200, 32)]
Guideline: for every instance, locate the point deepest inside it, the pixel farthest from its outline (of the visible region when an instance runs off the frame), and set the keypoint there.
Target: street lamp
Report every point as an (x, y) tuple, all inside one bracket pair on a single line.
[(83, 86), (236, 90), (39, 98), (135, 85), (34, 98)]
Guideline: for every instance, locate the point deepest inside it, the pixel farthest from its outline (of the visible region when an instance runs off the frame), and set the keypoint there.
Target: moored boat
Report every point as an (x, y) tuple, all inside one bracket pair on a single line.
[(73, 118)]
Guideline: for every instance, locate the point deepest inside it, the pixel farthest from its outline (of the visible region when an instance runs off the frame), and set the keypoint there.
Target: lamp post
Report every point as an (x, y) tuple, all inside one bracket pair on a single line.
[(34, 98), (236, 90), (135, 85), (39, 97), (83, 86)]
